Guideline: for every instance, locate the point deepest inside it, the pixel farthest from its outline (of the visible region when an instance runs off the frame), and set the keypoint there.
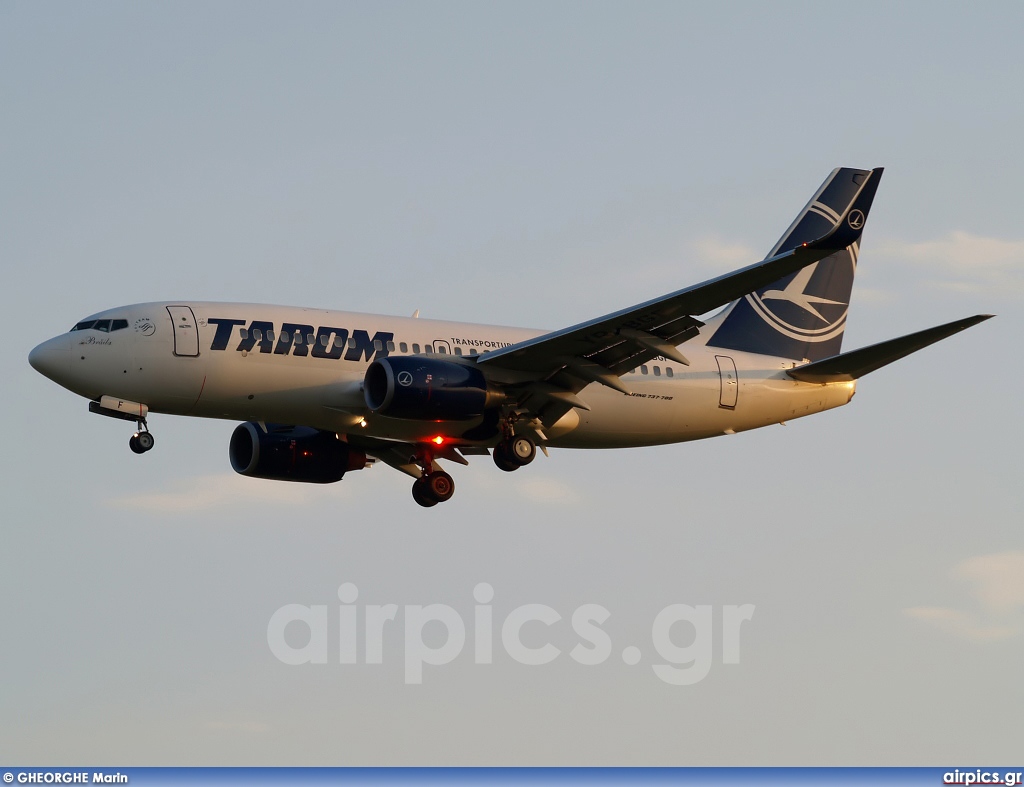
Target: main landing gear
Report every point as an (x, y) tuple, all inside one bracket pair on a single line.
[(436, 486), (513, 453), (433, 488), (142, 440)]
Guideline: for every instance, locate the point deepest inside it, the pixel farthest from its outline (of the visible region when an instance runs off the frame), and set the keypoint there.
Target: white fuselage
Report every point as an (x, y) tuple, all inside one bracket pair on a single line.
[(204, 367)]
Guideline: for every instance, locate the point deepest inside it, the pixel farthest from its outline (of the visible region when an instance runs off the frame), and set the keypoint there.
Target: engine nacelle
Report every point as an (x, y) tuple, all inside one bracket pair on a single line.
[(411, 386), (292, 453)]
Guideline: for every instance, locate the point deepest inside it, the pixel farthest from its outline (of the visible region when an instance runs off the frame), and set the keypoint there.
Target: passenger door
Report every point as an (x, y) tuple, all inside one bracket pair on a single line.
[(729, 380), (186, 335)]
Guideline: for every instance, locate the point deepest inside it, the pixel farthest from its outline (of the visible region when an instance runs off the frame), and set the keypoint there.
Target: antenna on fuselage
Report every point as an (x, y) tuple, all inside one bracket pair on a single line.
[(416, 314)]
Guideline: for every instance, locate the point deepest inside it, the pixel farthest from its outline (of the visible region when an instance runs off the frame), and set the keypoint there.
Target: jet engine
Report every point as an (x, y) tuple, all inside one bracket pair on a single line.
[(292, 453), (411, 386)]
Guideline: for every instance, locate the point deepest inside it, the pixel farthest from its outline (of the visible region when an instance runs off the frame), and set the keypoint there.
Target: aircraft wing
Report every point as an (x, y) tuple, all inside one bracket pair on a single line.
[(603, 349), (403, 456)]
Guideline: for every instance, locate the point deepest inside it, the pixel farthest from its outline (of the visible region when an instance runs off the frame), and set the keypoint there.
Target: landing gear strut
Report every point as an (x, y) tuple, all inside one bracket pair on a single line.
[(435, 485), (513, 453), (142, 440)]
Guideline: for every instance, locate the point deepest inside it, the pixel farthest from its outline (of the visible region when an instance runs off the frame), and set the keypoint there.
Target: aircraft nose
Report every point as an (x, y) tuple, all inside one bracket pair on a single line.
[(52, 358)]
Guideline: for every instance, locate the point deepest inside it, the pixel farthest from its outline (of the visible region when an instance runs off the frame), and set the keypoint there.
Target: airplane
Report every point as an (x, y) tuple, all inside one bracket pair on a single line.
[(322, 393)]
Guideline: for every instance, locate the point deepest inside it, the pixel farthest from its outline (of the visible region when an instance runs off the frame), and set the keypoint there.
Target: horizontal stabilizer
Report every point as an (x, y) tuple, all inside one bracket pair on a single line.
[(855, 364)]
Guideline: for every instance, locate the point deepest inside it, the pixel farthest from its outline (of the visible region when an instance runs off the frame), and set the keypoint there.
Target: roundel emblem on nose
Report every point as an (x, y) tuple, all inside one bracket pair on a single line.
[(405, 379), (145, 326), (855, 219)]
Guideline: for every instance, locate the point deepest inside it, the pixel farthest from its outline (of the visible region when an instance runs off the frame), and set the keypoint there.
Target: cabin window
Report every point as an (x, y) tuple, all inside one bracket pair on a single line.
[(352, 343), (657, 371), (428, 350), (643, 369), (404, 347), (668, 371), (473, 351), (270, 336), (310, 339), (257, 334), (390, 346), (416, 349), (243, 333), (458, 351), (338, 341), (378, 345), (323, 340), (286, 337), (298, 337)]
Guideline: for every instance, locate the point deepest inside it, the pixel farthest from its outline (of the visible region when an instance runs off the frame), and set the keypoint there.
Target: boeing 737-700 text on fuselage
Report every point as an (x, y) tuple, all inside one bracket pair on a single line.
[(322, 393)]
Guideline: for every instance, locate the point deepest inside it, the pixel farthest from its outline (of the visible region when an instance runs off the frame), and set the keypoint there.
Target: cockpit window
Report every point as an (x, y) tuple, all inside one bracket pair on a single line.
[(101, 325)]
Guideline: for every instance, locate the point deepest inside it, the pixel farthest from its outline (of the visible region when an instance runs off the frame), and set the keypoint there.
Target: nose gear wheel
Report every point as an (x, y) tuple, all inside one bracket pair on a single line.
[(142, 440)]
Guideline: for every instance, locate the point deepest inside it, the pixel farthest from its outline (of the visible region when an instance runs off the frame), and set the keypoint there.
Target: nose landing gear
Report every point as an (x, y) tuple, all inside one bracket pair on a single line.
[(124, 410), (142, 440)]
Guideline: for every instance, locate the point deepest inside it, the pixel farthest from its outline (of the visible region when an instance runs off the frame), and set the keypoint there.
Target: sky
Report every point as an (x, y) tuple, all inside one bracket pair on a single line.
[(530, 164)]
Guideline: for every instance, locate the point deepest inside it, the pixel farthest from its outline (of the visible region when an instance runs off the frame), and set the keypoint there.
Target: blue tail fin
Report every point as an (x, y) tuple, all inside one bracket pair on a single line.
[(803, 316)]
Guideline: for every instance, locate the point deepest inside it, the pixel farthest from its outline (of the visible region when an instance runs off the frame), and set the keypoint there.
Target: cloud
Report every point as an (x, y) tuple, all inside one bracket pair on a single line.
[(960, 624), (546, 490), (528, 485), (205, 492), (713, 252), (237, 726), (967, 262), (960, 261), (996, 583)]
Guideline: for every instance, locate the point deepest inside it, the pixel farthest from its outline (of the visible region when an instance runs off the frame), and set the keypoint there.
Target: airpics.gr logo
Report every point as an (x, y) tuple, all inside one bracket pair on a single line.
[(802, 309), (357, 631)]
